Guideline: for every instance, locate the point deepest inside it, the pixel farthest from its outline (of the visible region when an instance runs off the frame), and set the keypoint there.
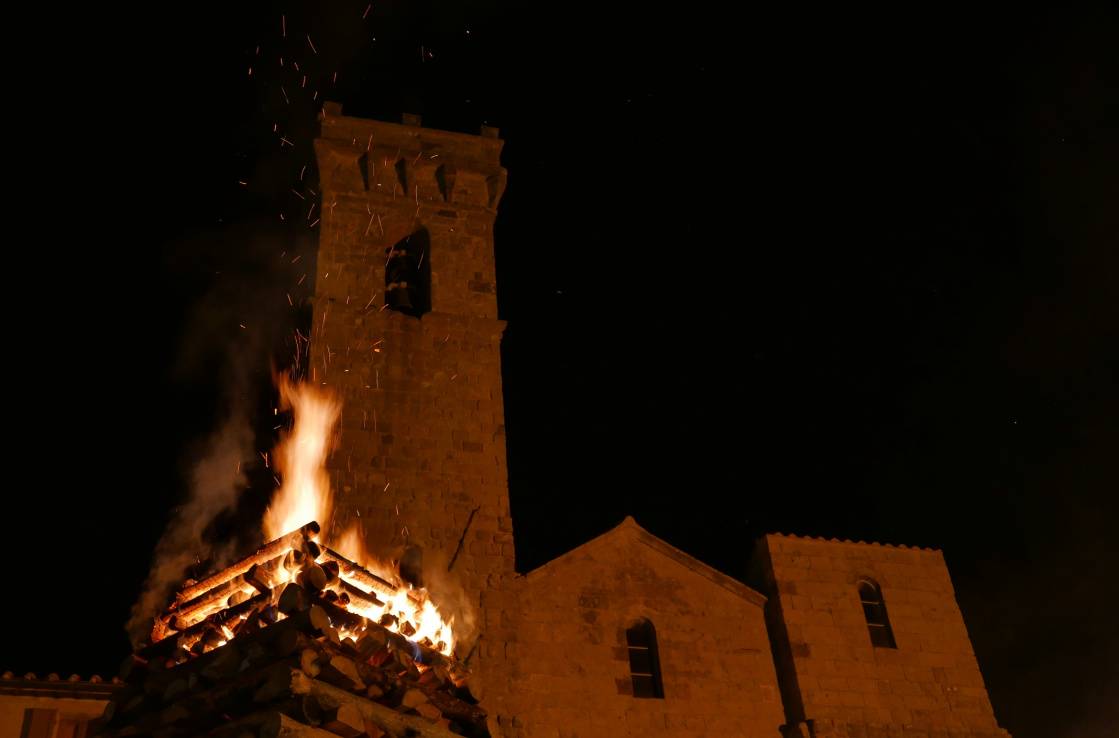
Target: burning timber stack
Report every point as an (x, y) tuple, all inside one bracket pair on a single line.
[(277, 645)]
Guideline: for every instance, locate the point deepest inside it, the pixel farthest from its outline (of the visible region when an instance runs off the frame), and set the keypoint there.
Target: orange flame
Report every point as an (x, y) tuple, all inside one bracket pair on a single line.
[(305, 496), (301, 460), (419, 612), (351, 544)]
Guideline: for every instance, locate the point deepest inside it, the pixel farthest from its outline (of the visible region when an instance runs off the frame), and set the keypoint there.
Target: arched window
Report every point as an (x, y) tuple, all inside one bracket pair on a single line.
[(874, 610), (408, 274), (644, 662)]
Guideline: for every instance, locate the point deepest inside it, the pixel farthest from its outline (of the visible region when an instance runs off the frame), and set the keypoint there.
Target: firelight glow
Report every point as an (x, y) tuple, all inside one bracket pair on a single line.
[(305, 495), (301, 460)]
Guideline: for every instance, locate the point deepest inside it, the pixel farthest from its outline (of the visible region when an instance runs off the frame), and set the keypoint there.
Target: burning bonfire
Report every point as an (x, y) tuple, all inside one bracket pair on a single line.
[(300, 636)]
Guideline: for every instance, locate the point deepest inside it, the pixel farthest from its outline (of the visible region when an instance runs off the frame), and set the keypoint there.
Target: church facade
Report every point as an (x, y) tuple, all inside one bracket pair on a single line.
[(624, 635)]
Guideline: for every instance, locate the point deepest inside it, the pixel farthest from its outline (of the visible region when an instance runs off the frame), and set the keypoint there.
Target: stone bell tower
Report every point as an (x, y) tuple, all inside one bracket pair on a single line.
[(406, 332)]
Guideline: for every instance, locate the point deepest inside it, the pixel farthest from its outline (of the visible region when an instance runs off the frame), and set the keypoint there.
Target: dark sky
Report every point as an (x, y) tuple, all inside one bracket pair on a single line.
[(844, 274)]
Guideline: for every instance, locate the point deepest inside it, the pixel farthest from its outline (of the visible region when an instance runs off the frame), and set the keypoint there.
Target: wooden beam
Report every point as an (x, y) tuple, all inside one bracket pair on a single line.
[(265, 553), (394, 723)]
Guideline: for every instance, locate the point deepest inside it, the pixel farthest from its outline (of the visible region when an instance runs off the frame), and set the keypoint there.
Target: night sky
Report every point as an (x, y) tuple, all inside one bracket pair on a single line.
[(844, 274)]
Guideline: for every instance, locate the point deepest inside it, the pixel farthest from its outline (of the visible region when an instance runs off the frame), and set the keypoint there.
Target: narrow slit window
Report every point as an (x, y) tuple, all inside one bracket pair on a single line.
[(874, 610), (644, 661)]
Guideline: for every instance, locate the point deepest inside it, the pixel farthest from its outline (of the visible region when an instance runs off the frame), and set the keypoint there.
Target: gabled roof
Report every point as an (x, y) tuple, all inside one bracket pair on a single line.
[(629, 529)]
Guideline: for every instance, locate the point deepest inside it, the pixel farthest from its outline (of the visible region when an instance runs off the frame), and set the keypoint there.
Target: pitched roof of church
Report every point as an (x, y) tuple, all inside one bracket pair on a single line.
[(630, 528)]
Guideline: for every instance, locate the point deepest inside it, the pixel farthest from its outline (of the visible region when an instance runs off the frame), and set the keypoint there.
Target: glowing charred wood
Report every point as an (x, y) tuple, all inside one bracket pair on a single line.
[(259, 576), (213, 599), (168, 645), (358, 596), (229, 594), (280, 639), (221, 613), (372, 641), (279, 547), (161, 628), (294, 560), (340, 617), (386, 718), (354, 571)]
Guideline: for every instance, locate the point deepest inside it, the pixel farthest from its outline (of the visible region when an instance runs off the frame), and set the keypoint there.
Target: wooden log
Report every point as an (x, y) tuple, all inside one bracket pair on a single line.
[(357, 595), (294, 598), (161, 628), (309, 662), (312, 577), (340, 616), (358, 574), (265, 553), (423, 654), (188, 613), (259, 576), (277, 685), (341, 672), (305, 709), (226, 663), (347, 722), (205, 705), (270, 724), (429, 711), (168, 645), (281, 639), (412, 698), (456, 709), (392, 722)]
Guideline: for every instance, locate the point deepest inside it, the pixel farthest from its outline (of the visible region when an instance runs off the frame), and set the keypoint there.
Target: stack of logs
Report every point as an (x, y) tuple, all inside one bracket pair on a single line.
[(293, 662)]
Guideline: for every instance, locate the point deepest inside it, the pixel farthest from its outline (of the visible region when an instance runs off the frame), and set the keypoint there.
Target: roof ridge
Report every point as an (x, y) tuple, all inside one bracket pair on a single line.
[(629, 524)]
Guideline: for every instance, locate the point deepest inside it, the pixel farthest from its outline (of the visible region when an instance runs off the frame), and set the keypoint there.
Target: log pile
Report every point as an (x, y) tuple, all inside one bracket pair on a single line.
[(290, 660)]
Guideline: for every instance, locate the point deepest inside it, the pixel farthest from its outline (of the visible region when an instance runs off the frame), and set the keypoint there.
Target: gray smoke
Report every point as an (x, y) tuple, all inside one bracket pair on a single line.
[(217, 482), (234, 329)]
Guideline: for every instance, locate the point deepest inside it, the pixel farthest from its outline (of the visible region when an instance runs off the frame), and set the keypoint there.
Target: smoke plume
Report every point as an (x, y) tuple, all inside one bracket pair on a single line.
[(216, 484)]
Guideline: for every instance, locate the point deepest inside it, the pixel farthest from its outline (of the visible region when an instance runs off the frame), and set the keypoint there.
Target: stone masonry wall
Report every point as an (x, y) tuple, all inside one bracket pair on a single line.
[(421, 459), (929, 686), (557, 663)]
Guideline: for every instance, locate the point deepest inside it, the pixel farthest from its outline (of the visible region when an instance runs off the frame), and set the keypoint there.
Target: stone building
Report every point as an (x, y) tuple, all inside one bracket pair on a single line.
[(625, 635), (34, 707)]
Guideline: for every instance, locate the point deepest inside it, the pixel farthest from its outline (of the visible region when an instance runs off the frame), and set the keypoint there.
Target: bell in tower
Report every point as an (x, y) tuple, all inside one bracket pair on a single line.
[(407, 280), (400, 280)]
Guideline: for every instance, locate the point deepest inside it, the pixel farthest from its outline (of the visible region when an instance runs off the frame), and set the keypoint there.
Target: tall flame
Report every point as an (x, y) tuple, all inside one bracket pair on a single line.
[(300, 458), (305, 495)]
